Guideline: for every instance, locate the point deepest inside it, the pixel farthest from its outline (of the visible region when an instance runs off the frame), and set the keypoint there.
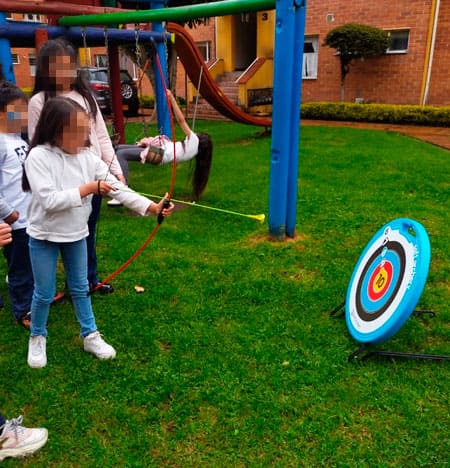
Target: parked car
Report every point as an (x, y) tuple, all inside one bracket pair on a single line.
[(98, 79)]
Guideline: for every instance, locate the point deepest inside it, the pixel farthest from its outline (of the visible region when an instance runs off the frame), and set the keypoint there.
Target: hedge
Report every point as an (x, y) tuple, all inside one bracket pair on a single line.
[(381, 113)]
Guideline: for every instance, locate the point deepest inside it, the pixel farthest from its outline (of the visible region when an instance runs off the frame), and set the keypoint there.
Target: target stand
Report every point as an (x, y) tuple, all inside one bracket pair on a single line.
[(385, 287)]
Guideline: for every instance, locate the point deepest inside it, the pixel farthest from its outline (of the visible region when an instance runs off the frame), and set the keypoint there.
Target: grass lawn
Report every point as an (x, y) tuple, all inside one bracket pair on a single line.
[(230, 358)]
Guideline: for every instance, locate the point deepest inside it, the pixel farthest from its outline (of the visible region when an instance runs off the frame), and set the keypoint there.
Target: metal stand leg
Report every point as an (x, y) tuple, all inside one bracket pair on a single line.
[(364, 353), (337, 309)]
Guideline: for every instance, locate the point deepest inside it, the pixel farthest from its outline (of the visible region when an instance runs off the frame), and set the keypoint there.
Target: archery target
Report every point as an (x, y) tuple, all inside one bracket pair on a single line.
[(387, 281)]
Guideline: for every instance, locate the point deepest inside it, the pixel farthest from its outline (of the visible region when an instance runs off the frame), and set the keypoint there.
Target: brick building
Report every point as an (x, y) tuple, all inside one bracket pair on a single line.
[(413, 71)]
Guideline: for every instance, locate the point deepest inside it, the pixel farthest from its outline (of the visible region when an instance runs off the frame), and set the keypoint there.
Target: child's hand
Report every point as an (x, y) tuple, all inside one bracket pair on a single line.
[(5, 234), (104, 187), (12, 218), (157, 208)]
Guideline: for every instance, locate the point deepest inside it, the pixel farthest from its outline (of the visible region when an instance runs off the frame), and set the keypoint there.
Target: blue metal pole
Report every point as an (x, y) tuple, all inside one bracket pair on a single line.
[(299, 41), (161, 102), (5, 55), (285, 116)]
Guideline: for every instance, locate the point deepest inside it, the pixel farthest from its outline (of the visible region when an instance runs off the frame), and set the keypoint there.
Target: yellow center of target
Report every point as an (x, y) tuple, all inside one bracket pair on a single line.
[(380, 280)]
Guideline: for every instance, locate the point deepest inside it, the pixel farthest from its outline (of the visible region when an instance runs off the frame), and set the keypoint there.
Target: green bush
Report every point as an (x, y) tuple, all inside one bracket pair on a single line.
[(146, 101), (381, 113), (28, 91)]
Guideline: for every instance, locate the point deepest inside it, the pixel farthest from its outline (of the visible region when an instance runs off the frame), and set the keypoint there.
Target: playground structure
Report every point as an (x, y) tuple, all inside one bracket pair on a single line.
[(289, 29)]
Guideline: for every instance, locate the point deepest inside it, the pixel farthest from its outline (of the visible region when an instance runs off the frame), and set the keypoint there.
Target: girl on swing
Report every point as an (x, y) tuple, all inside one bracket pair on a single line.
[(159, 150)]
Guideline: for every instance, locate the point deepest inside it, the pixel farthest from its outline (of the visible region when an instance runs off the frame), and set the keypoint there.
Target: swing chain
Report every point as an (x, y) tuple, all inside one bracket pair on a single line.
[(137, 48), (83, 35), (141, 71), (114, 134)]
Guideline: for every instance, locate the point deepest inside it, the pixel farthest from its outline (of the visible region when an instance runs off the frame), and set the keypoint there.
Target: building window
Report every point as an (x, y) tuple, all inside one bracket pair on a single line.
[(310, 57), (9, 16), (15, 59), (32, 17), (101, 60), (205, 50), (399, 41), (32, 62)]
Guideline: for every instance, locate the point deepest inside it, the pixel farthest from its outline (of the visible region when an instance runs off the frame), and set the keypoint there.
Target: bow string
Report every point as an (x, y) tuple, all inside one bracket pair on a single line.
[(160, 217)]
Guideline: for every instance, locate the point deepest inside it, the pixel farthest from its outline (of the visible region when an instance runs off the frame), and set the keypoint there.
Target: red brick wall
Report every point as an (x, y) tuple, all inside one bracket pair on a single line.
[(200, 34), (439, 91), (393, 78)]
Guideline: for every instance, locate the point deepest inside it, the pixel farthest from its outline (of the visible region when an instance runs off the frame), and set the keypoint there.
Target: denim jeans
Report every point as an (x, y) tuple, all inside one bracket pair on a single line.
[(44, 259), (91, 240), (20, 275)]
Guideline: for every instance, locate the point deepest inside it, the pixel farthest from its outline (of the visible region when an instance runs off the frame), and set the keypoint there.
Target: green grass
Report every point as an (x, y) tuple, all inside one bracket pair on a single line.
[(230, 358)]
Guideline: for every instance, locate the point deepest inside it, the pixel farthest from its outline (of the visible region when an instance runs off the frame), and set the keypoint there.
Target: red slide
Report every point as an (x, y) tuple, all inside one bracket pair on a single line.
[(192, 61)]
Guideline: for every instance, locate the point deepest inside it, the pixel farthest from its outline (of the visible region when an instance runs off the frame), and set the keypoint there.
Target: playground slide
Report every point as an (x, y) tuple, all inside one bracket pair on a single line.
[(192, 61)]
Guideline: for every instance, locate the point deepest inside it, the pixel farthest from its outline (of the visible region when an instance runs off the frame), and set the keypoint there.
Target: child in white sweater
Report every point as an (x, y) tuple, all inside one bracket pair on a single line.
[(62, 175)]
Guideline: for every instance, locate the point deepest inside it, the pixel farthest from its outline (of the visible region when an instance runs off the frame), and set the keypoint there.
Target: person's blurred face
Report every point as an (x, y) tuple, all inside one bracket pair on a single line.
[(63, 70), (76, 133), (17, 116)]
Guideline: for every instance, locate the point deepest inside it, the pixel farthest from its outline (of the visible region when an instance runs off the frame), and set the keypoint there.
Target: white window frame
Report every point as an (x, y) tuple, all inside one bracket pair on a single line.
[(32, 62), (15, 59), (101, 60), (205, 46), (31, 17), (398, 32), (310, 59)]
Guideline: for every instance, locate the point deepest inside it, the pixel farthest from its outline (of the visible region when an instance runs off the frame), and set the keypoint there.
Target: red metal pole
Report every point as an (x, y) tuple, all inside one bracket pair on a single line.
[(115, 91), (40, 36)]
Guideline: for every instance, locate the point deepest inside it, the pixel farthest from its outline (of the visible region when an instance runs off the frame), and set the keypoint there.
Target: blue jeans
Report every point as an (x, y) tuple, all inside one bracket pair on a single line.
[(91, 240), (20, 275), (44, 259)]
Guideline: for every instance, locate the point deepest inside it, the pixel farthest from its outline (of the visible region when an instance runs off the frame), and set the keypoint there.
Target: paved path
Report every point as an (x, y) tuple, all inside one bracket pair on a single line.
[(439, 136)]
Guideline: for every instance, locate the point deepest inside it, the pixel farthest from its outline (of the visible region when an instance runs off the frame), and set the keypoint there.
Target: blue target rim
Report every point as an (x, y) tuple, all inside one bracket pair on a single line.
[(374, 316)]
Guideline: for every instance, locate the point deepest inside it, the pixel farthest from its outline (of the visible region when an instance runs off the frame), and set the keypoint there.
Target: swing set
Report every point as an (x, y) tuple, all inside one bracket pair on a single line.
[(289, 38)]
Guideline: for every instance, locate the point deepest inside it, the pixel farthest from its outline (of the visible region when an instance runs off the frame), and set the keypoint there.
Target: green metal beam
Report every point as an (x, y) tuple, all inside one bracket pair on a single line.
[(184, 13)]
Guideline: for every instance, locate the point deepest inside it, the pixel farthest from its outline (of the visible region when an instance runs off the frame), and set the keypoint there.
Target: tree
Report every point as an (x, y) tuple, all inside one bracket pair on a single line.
[(356, 41)]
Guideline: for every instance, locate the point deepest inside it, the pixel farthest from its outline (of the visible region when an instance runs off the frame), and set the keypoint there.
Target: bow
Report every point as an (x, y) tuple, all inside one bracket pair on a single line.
[(166, 201)]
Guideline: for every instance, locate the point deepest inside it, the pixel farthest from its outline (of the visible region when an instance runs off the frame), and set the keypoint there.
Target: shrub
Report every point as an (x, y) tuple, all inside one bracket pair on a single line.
[(381, 113), (146, 101)]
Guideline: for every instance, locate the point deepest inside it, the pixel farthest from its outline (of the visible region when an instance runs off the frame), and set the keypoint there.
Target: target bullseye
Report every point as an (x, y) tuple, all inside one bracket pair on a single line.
[(380, 280), (387, 281)]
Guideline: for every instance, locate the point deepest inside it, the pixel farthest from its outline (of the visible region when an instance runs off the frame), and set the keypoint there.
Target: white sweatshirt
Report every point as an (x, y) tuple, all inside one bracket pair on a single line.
[(57, 212)]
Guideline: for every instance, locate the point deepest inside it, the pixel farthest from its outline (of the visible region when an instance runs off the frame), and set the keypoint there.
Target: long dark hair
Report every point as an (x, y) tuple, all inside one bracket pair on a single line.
[(200, 173), (45, 83), (56, 115)]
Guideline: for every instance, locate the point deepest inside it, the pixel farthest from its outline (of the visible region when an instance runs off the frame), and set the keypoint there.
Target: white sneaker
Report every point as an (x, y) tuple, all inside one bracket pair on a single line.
[(94, 343), (37, 356), (19, 441), (114, 202)]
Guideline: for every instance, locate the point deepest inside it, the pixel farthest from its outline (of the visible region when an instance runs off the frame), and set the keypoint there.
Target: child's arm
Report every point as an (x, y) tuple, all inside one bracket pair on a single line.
[(7, 212), (34, 111), (179, 114), (134, 201)]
